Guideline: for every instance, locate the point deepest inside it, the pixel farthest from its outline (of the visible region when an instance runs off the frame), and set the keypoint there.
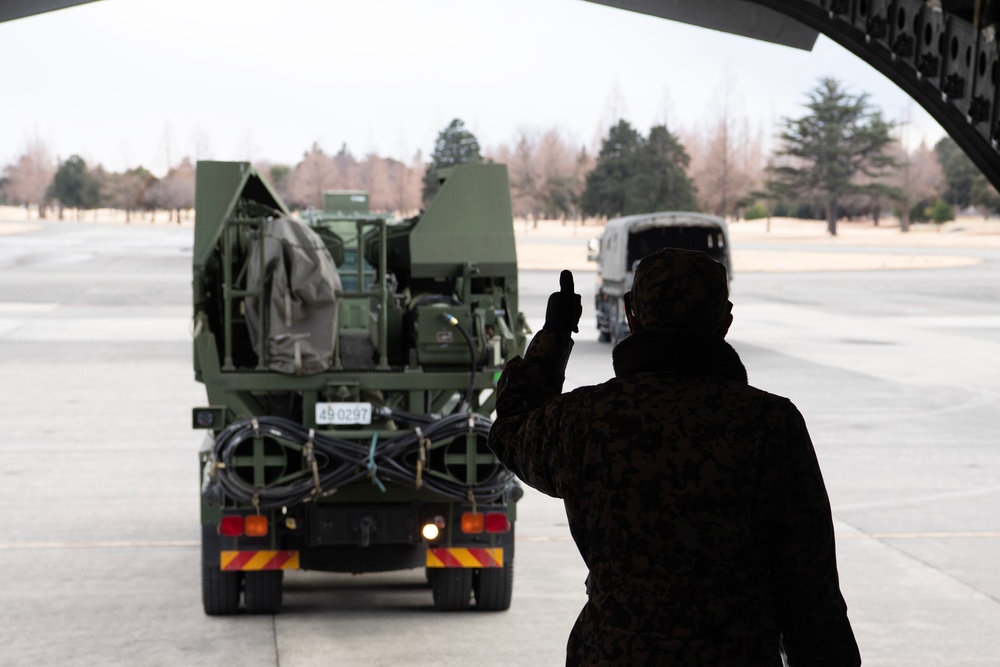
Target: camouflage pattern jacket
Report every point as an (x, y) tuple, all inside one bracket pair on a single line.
[(695, 499)]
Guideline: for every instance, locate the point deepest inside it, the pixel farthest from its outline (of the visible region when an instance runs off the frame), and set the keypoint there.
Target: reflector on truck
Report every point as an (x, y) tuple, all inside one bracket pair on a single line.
[(234, 561), (456, 557)]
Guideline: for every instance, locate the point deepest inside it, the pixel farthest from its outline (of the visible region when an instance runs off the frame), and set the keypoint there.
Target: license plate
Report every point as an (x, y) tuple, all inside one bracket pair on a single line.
[(343, 413)]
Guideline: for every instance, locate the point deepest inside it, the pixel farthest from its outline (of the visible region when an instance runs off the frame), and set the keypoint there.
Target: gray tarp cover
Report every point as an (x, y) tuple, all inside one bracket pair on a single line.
[(304, 289)]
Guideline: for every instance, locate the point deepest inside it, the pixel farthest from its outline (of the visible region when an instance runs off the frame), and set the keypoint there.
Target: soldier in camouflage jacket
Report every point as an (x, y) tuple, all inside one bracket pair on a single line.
[(696, 500)]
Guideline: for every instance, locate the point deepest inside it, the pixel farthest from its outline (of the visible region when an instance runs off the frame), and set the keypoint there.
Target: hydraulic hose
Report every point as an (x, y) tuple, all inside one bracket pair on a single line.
[(453, 321)]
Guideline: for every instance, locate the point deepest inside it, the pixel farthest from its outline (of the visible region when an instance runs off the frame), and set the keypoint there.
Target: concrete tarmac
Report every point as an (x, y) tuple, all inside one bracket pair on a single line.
[(895, 371)]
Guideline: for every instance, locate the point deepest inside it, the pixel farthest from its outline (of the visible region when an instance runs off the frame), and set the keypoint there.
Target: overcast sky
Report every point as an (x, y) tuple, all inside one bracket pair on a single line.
[(130, 82)]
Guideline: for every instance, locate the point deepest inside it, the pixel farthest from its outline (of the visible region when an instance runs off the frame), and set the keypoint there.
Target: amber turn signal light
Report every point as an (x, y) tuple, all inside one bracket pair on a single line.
[(255, 525), (472, 522)]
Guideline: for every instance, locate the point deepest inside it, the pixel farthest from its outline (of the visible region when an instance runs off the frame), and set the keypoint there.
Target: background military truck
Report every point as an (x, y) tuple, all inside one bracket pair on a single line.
[(627, 240), (345, 441)]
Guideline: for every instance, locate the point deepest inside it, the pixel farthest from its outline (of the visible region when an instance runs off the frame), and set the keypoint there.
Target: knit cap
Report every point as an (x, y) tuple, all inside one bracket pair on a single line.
[(680, 290)]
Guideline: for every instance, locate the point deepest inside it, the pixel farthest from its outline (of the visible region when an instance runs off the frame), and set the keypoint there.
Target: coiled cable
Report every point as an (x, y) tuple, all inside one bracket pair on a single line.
[(340, 461)]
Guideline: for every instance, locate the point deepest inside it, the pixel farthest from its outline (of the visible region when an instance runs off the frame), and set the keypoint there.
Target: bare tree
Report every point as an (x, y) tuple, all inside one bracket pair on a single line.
[(392, 185), (150, 198), (377, 180), (547, 174), (175, 191), (524, 179), (315, 173), (543, 174), (28, 179), (918, 177), (615, 109), (556, 171), (349, 174), (125, 191), (103, 182), (395, 177), (727, 160), (499, 154), (413, 183)]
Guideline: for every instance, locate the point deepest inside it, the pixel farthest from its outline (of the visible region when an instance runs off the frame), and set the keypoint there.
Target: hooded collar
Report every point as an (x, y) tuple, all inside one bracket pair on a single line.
[(688, 352)]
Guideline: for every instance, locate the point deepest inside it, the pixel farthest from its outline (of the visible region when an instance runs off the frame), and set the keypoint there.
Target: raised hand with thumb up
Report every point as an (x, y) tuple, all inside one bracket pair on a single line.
[(562, 314)]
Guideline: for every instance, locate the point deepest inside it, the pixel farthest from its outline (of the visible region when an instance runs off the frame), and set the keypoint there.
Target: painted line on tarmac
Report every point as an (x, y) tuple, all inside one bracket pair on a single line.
[(544, 538), (929, 535), (894, 503), (141, 544), (956, 534)]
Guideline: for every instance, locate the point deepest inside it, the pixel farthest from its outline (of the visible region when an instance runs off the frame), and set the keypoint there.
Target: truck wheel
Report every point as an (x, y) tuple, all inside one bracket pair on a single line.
[(263, 592), (494, 586), (615, 324), (220, 591), (452, 588), (621, 332)]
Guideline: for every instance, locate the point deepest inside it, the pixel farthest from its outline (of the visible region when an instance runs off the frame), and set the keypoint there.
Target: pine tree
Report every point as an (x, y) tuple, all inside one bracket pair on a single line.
[(638, 175), (617, 163), (841, 138), (74, 185), (454, 146), (661, 182)]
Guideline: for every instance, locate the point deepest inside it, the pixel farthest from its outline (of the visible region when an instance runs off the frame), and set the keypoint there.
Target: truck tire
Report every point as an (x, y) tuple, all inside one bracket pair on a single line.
[(616, 315), (263, 592), (621, 332), (493, 587), (220, 591), (451, 587)]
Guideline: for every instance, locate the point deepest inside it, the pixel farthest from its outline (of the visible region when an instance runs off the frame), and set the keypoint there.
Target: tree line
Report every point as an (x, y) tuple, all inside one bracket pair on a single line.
[(838, 160), (35, 179)]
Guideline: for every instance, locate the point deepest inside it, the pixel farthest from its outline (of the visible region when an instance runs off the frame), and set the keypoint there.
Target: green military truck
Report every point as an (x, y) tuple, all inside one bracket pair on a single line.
[(627, 240), (350, 365)]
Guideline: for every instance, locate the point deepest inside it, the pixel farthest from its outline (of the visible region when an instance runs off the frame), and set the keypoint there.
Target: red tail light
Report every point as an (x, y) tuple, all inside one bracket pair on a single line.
[(497, 523), (231, 526)]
